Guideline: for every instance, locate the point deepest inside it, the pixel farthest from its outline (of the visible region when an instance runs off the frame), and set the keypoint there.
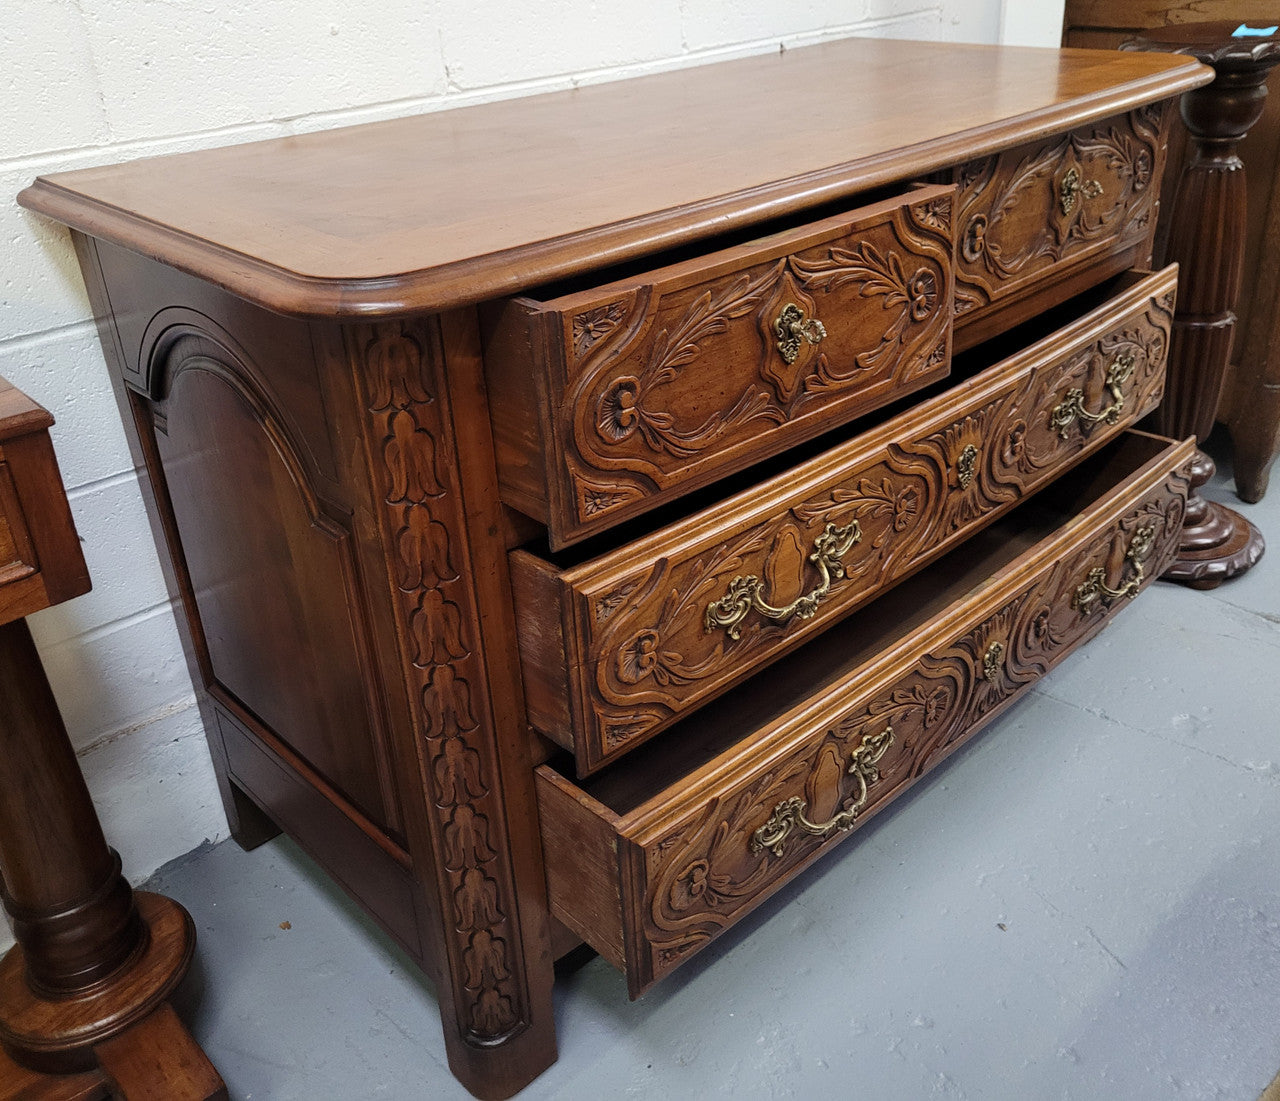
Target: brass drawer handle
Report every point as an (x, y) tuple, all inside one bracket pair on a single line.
[(793, 329), (1094, 587), (1071, 408), (790, 813), (1071, 189), (744, 592)]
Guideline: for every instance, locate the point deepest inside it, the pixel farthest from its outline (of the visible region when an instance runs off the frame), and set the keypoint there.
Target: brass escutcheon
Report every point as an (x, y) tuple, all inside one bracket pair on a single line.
[(1094, 587), (1071, 189), (1071, 408), (744, 593), (790, 813), (966, 464), (992, 660), (792, 329)]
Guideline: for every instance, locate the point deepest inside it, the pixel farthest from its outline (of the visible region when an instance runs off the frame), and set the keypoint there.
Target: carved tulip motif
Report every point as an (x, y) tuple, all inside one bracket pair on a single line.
[(422, 516)]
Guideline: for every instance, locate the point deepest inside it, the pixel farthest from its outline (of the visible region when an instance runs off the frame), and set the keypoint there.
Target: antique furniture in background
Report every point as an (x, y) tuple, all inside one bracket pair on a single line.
[(1250, 402), (83, 995), (582, 522), (1206, 238)]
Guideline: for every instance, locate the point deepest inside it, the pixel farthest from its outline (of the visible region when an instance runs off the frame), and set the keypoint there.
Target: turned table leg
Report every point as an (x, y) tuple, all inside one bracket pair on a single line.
[(86, 987), (1207, 238)]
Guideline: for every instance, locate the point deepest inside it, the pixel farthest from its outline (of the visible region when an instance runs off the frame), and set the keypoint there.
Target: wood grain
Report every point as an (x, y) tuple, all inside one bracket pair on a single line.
[(157, 1060), (462, 206), (321, 288), (629, 394), (635, 646), (689, 869)]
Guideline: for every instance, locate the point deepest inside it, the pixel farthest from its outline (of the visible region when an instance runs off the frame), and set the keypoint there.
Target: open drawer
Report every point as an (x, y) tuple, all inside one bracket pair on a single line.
[(610, 400), (619, 646), (650, 859)]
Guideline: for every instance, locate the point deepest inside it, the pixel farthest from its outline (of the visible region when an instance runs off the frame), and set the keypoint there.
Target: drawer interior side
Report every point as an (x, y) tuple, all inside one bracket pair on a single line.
[(580, 848), (536, 591)]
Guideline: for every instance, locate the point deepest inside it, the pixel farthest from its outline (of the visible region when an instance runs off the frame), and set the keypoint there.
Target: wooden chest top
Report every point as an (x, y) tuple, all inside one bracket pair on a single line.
[(444, 209)]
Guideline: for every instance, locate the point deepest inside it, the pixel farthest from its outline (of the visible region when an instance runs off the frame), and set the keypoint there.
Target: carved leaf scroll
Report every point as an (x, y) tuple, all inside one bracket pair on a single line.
[(707, 873), (652, 658), (1015, 220), (691, 374)]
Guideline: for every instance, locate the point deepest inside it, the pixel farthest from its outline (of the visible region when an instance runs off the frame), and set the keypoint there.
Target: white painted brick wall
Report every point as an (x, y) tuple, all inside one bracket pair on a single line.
[(93, 81)]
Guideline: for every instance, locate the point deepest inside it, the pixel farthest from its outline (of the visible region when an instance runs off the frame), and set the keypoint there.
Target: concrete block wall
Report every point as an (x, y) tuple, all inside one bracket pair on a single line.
[(87, 82)]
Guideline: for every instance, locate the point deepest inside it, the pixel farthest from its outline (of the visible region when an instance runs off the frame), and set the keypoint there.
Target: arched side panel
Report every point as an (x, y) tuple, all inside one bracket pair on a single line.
[(275, 582)]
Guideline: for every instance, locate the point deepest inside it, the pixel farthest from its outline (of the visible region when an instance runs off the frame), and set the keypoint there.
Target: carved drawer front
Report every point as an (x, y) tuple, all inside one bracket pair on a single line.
[(651, 860), (618, 647), (610, 401), (1054, 205)]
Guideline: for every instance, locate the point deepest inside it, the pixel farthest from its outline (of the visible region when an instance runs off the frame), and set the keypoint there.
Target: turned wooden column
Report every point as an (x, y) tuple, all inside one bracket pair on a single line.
[(1207, 239), (83, 994)]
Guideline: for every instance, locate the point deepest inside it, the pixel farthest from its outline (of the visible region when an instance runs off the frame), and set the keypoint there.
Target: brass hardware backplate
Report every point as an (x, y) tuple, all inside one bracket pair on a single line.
[(790, 813), (992, 660), (966, 464), (744, 592), (1071, 408), (1094, 587), (1071, 189)]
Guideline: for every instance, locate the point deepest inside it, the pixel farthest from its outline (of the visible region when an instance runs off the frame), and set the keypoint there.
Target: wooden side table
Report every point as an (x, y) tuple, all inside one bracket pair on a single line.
[(83, 995), (1207, 240)]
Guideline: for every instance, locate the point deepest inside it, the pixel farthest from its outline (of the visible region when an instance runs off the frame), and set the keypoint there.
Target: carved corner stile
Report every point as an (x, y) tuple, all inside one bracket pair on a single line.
[(430, 460)]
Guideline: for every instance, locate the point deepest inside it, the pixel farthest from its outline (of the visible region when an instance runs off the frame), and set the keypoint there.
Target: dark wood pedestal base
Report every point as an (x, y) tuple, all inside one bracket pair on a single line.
[(1217, 542), (1207, 238), (84, 1009), (59, 1035), (153, 1060)]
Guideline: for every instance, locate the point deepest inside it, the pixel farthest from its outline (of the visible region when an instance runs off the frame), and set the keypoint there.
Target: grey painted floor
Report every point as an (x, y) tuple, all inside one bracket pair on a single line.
[(1083, 904)]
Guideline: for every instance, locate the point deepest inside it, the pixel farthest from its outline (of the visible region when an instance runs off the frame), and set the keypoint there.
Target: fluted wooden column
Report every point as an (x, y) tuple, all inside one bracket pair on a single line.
[(1207, 239)]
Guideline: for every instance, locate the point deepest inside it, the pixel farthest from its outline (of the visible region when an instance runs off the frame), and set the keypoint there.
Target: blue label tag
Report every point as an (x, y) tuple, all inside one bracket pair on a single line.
[(1246, 31)]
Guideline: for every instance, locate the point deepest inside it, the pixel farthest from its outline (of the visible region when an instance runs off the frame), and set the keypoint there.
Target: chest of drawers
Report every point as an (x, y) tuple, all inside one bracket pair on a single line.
[(586, 509)]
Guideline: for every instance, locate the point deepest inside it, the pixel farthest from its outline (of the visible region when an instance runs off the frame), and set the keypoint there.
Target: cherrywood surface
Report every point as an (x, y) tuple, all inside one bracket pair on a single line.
[(685, 864), (23, 1084), (72, 911), (323, 478), (466, 205), (658, 385), (1207, 238), (1250, 403), (618, 647)]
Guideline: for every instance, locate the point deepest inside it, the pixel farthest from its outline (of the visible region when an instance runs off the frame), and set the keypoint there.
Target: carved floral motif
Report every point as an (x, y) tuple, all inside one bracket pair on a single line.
[(592, 326), (422, 514), (636, 420), (1027, 209), (708, 872), (652, 658)]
